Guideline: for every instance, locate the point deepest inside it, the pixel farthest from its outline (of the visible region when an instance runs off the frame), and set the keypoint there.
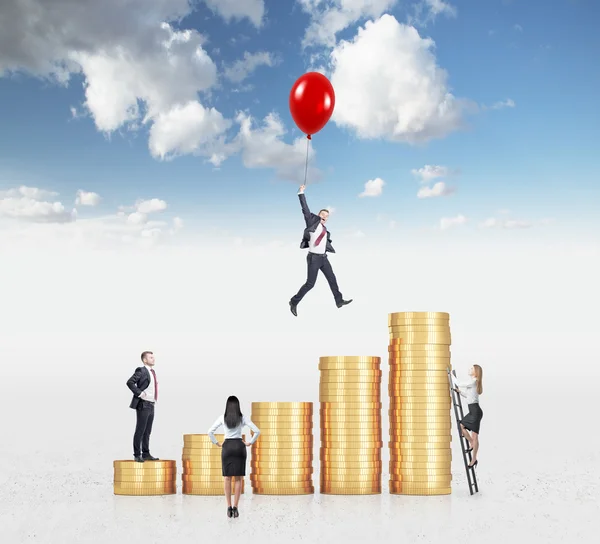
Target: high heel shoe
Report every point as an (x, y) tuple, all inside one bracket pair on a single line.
[(236, 514), (229, 512), (474, 464)]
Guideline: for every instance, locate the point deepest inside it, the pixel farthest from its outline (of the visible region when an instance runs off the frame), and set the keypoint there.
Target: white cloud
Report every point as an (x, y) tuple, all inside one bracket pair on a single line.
[(190, 128), (493, 222), (329, 17), (242, 68), (151, 206), (430, 172), (136, 68), (438, 189), (331, 209), (263, 147), (388, 85), (508, 103), (254, 10), (28, 204), (426, 11), (85, 198), (373, 187), (449, 222)]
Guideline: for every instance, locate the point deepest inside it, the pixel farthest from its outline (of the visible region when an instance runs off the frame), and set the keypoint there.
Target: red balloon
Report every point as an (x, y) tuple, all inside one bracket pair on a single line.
[(311, 102)]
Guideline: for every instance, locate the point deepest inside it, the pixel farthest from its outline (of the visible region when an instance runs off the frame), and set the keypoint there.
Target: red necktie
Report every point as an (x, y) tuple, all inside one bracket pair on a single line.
[(155, 384), (318, 240)]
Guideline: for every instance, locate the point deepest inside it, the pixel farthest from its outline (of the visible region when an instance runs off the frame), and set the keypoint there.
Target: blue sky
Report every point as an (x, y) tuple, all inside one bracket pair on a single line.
[(533, 156)]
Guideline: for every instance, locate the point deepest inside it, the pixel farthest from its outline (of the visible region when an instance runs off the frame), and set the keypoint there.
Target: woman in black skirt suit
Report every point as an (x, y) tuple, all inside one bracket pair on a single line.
[(473, 387), (233, 456)]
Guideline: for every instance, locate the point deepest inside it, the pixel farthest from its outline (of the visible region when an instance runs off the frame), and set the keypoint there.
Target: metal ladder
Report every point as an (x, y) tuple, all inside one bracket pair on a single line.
[(464, 444)]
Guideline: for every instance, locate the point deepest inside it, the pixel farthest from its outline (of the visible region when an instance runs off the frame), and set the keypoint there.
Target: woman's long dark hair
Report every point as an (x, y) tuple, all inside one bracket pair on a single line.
[(233, 413)]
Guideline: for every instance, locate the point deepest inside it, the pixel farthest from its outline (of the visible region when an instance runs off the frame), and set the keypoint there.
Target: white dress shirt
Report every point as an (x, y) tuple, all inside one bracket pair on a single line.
[(470, 389), (148, 393), (236, 432)]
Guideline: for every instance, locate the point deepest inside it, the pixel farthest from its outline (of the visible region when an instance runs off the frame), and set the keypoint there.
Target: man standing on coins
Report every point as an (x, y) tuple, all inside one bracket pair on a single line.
[(144, 386), (317, 239)]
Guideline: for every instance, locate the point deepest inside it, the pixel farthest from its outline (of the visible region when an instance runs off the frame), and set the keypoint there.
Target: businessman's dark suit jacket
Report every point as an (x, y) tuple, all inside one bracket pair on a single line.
[(138, 383), (312, 222)]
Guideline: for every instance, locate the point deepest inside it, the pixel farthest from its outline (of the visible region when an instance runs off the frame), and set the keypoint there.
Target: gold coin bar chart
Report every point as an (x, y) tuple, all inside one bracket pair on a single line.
[(350, 417), (148, 478), (420, 403), (202, 469), (282, 457)]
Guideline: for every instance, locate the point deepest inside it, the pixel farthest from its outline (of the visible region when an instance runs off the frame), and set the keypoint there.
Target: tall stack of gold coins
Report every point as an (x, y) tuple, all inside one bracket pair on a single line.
[(282, 457), (147, 478), (351, 442), (420, 403), (202, 468)]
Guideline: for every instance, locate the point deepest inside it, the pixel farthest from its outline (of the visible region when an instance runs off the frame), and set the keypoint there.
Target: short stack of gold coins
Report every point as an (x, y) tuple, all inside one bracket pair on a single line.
[(202, 468), (420, 403), (147, 478), (282, 457), (351, 441)]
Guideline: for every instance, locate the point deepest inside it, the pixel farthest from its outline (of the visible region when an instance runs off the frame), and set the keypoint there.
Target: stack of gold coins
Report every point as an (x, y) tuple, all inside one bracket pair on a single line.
[(282, 457), (351, 442), (202, 468), (147, 478), (420, 404)]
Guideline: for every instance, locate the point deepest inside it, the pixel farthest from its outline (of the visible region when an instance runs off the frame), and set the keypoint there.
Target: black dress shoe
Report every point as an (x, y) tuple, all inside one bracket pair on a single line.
[(293, 308), (138, 458), (236, 514), (343, 303), (229, 512), (150, 458)]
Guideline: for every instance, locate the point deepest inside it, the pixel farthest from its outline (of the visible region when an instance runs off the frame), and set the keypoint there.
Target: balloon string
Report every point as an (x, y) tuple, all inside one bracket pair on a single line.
[(306, 165)]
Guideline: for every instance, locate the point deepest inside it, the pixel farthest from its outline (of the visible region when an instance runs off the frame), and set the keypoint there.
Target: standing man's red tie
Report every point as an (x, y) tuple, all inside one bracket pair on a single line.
[(155, 384)]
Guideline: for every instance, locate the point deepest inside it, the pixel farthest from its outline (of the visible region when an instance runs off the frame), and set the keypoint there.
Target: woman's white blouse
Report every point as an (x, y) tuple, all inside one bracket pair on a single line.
[(467, 388), (236, 432)]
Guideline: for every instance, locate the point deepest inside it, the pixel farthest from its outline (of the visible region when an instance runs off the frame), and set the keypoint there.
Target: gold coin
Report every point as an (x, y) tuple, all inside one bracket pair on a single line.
[(328, 411), (150, 486), (350, 372), (280, 405), (134, 491), (401, 432), (419, 401), (281, 478), (420, 387), (398, 378), (282, 471), (399, 331), (290, 454), (420, 349), (207, 474), (325, 368), (351, 419), (403, 367), (343, 489), (400, 449), (351, 380), (284, 485), (429, 410), (297, 440), (363, 472), (352, 465), (404, 419), (350, 456), (277, 411), (281, 430), (283, 420), (422, 338), (400, 489), (349, 396), (352, 480), (145, 479), (265, 465), (145, 472), (263, 491), (348, 426), (351, 405), (421, 439), (350, 359), (444, 481), (427, 476), (414, 467), (430, 456), (146, 465), (351, 385), (420, 315), (208, 478)]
